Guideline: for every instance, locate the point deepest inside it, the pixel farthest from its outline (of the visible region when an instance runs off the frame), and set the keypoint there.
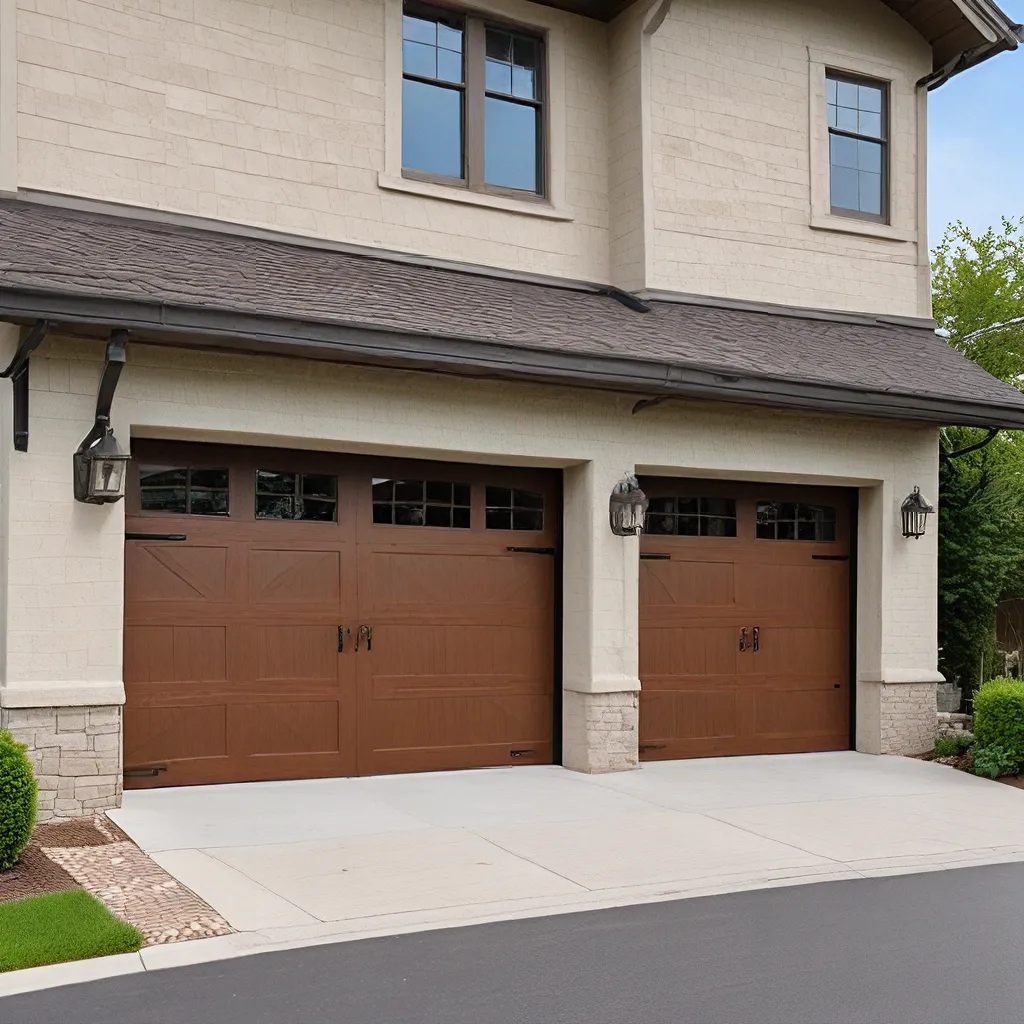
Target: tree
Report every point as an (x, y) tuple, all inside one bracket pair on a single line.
[(978, 301)]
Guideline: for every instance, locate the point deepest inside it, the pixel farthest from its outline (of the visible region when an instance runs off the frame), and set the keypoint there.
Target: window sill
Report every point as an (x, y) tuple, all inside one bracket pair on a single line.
[(867, 228), (452, 194)]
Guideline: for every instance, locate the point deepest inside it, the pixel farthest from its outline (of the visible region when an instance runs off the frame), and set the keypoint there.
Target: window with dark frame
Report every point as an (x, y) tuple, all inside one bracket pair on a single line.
[(509, 508), (795, 521), (472, 103), (421, 503), (192, 491), (310, 497), (692, 517), (858, 146)]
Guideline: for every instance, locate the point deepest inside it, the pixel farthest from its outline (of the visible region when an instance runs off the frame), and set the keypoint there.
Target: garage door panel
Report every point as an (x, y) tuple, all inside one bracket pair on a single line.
[(279, 727), (817, 592), (175, 572), (686, 583), (797, 651), (478, 650), (292, 653), (172, 654), (161, 735), (688, 651), (283, 576), (426, 686), (697, 713), (803, 712)]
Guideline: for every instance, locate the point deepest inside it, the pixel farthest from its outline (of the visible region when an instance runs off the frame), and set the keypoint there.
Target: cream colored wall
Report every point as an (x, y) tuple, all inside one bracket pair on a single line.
[(273, 114), (732, 101), (65, 571)]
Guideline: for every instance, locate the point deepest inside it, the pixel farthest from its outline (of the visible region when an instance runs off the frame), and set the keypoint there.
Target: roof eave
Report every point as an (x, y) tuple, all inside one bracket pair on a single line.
[(230, 331), (996, 34)]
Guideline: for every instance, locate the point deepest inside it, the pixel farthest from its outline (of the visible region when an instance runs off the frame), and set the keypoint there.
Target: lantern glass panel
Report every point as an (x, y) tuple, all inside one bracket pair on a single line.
[(107, 477)]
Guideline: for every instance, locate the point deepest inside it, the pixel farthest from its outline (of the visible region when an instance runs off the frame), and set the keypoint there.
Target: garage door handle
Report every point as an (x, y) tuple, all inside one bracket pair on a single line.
[(743, 638), (364, 633), (757, 638), (341, 638)]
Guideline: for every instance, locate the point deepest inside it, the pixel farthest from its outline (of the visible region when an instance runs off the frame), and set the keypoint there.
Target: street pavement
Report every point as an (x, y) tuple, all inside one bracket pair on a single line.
[(936, 948)]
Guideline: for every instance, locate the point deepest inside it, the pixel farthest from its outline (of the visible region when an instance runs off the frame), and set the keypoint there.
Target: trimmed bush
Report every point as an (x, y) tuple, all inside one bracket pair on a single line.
[(994, 761), (17, 800), (953, 746), (999, 717)]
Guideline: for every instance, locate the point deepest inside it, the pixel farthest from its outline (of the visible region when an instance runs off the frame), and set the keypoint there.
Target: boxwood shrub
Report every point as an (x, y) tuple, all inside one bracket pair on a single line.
[(17, 800), (999, 717)]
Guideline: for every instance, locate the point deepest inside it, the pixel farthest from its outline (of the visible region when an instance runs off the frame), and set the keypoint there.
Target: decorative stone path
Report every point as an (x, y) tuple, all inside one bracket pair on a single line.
[(95, 855)]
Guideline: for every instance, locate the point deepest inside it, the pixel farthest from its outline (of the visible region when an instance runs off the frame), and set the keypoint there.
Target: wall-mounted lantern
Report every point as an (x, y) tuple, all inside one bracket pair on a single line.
[(627, 507), (915, 511), (100, 470), (100, 465)]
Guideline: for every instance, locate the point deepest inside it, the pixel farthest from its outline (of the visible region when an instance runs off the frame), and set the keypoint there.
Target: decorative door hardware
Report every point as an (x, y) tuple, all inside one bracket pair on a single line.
[(364, 633), (533, 551), (743, 638), (660, 556), (18, 372), (831, 558), (341, 638), (144, 773), (156, 536), (757, 639)]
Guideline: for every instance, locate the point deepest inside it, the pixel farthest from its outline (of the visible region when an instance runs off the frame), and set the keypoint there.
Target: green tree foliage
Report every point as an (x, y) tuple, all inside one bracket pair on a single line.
[(978, 282)]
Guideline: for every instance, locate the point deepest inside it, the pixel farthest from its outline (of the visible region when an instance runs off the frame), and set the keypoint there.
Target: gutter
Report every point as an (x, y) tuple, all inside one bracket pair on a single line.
[(209, 329)]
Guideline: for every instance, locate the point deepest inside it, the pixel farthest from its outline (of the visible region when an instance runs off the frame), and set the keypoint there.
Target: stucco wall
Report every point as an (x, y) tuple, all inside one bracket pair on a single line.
[(63, 594), (732, 102), (680, 158)]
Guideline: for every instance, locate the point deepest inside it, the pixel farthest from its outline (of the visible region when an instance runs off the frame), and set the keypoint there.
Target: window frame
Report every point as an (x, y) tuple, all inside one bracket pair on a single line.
[(475, 93), (837, 75)]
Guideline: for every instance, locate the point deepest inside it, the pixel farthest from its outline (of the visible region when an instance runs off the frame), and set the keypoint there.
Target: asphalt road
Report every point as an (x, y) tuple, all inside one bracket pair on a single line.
[(942, 948)]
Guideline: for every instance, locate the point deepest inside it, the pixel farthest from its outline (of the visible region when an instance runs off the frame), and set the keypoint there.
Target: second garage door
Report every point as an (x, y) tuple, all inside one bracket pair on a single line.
[(744, 619), (297, 614)]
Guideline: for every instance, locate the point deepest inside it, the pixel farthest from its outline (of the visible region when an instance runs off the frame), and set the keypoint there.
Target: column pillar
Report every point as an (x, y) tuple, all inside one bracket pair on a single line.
[(61, 590), (600, 628)]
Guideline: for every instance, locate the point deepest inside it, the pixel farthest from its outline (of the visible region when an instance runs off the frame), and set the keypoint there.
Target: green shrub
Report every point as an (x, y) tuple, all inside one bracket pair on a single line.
[(999, 717), (953, 746), (17, 800), (994, 761)]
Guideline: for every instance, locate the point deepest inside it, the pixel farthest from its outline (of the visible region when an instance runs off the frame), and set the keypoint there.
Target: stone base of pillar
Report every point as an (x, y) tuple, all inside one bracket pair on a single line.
[(76, 755), (907, 714), (600, 731)]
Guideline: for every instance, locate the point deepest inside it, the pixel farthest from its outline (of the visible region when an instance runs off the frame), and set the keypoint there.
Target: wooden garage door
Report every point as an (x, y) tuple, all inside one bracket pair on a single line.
[(297, 614), (744, 619)]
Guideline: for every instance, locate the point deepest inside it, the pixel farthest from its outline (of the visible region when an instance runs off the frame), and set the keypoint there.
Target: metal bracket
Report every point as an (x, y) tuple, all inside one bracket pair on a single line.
[(116, 350), (18, 372)]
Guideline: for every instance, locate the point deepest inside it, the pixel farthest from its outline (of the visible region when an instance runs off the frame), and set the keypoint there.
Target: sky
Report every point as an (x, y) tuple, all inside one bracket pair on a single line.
[(976, 142)]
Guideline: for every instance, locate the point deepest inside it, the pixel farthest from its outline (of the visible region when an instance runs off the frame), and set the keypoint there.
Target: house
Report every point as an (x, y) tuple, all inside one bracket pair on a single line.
[(386, 301)]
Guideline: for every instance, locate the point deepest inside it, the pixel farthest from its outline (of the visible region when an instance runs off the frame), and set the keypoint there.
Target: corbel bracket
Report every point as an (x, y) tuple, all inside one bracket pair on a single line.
[(18, 372), (117, 348)]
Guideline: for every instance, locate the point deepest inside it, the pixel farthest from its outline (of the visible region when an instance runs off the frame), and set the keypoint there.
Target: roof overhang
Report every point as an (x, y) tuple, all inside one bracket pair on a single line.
[(185, 327)]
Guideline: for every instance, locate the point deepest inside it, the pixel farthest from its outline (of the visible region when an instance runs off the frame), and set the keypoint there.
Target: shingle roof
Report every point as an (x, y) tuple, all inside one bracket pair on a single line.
[(85, 267)]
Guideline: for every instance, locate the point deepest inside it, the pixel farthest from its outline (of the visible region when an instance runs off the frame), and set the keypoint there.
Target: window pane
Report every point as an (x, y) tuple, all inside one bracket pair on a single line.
[(499, 519), (409, 490), (523, 83), (846, 94), (449, 66), (275, 483), (461, 494), (870, 192), (423, 30), (208, 503), (766, 531), (527, 499), (460, 518), (314, 485), (688, 526), (499, 77), (438, 515), (498, 497), (869, 97), (499, 45), (450, 38), (871, 124), (510, 144), (163, 499), (317, 511), (438, 491), (419, 59), (527, 519), (409, 515), (845, 188), (830, 90), (844, 151), (432, 128), (718, 506), (846, 118), (524, 52), (833, 115), (382, 514), (659, 524), (270, 506), (383, 490), (712, 526), (162, 476), (209, 478), (869, 156)]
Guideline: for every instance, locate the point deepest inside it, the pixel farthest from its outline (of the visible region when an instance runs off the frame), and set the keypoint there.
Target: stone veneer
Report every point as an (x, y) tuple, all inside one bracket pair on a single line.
[(954, 724), (76, 754), (600, 731), (908, 713)]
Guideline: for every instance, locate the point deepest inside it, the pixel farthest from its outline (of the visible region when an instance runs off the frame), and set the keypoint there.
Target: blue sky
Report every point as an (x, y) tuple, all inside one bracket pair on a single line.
[(976, 142)]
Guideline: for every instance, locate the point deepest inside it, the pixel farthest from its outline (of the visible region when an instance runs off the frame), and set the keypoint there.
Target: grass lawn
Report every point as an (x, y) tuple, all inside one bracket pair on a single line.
[(59, 927)]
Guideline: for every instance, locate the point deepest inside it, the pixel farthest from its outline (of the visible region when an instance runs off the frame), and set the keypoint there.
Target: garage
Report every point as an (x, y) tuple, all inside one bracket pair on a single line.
[(744, 619), (298, 614)]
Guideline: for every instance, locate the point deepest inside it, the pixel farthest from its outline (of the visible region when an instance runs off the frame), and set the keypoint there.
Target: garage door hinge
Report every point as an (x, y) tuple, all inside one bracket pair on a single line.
[(533, 551), (138, 773), (522, 753), (653, 746), (831, 558)]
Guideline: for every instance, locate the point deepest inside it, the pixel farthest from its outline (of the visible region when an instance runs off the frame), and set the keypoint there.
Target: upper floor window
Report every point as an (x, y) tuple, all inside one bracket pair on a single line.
[(472, 103), (857, 130)]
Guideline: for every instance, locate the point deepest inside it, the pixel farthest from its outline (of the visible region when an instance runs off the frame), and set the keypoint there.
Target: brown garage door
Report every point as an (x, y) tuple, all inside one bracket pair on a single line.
[(297, 614), (744, 619)]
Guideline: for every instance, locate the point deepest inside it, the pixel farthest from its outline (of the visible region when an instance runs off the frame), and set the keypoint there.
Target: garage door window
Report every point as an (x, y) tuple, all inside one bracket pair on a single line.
[(184, 491), (421, 503), (792, 521), (304, 496), (692, 517), (511, 509)]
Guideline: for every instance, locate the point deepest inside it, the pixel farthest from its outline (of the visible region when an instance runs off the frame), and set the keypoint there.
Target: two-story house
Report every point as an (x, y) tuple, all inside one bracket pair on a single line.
[(386, 299)]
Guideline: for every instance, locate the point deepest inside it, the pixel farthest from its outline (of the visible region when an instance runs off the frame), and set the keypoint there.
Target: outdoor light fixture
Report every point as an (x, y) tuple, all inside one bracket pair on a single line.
[(626, 508), (915, 511), (100, 465)]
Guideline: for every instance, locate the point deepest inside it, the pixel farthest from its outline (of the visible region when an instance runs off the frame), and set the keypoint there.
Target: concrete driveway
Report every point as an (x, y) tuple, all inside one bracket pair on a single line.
[(326, 859)]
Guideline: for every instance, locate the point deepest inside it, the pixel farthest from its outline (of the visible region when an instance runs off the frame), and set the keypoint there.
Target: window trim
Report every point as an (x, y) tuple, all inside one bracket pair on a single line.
[(883, 139), (548, 26), (474, 92)]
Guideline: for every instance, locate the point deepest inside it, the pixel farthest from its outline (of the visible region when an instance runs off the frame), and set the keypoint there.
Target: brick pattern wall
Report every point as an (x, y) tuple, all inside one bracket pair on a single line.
[(76, 754), (600, 731), (908, 717), (953, 723)]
